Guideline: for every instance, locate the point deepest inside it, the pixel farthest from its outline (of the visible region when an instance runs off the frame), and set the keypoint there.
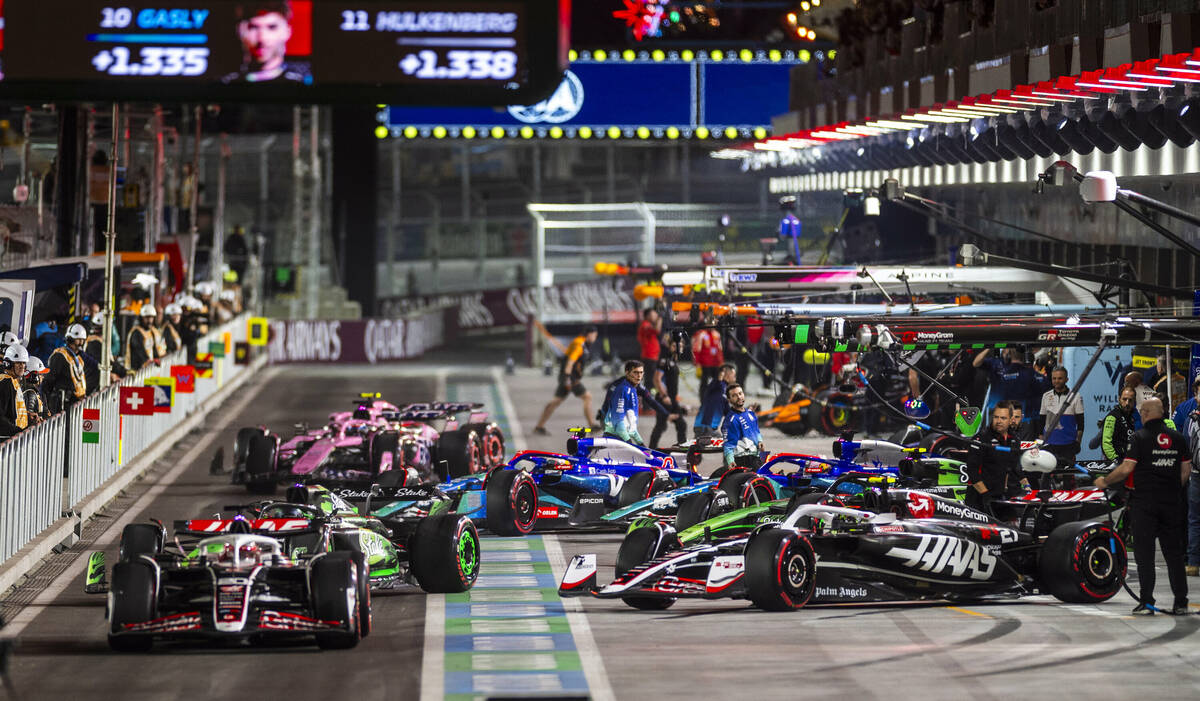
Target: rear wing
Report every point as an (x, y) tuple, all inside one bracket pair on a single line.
[(263, 526)]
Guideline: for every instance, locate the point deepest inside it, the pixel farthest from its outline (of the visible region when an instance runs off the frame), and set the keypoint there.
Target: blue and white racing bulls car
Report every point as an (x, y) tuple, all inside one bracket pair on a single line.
[(538, 489)]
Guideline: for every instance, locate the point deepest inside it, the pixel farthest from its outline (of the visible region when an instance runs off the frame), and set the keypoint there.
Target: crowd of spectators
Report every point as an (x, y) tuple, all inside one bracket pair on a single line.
[(63, 362)]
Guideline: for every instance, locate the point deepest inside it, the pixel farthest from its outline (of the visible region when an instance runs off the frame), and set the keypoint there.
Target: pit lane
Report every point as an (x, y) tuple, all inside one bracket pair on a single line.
[(1035, 647)]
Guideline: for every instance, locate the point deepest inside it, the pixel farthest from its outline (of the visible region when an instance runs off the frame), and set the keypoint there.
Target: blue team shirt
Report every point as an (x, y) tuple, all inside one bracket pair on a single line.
[(742, 435), (621, 414)]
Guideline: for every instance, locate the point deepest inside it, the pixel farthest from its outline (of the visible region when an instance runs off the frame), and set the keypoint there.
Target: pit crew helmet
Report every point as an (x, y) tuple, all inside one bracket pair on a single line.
[(173, 309), (204, 289), (76, 332), (15, 353), (148, 311)]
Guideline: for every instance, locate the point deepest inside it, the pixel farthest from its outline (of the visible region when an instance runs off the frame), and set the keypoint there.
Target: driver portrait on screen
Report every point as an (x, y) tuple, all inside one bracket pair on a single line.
[(264, 29)]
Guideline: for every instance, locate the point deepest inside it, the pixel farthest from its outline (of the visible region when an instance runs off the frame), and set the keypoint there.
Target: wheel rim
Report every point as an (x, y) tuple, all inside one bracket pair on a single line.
[(795, 572), (524, 506), (473, 457), (495, 450), (468, 556), (1100, 563)]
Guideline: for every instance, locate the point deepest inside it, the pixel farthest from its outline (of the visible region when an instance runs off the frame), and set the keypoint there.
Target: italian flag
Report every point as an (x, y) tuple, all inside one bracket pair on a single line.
[(91, 425)]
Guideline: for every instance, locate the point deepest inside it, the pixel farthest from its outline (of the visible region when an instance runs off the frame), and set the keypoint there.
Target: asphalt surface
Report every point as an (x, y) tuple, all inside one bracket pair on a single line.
[(1031, 648)]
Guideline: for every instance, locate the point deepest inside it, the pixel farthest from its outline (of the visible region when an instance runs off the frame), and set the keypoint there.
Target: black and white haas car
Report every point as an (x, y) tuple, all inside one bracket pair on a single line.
[(236, 586), (905, 545)]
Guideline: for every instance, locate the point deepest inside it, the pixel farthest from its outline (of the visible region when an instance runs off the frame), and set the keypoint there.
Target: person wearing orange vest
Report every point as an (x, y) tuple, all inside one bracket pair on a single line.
[(35, 403), (140, 348), (66, 382), (13, 416), (169, 331)]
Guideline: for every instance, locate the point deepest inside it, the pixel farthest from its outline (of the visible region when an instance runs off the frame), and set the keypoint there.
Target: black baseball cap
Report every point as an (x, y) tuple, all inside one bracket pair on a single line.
[(591, 329)]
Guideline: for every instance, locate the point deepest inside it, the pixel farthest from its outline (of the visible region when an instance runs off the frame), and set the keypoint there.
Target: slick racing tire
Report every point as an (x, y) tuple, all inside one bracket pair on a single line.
[(719, 472), (445, 553), (491, 443), (462, 452), (781, 571), (260, 464), (363, 571), (381, 444), (134, 600), (1083, 562), (511, 502), (139, 539), (334, 590), (838, 413), (697, 508), (642, 545), (241, 446), (746, 489), (638, 486)]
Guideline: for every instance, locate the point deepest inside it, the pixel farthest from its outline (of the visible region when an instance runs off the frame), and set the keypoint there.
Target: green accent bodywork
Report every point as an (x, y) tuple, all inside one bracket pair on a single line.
[(468, 554), (740, 520), (97, 580)]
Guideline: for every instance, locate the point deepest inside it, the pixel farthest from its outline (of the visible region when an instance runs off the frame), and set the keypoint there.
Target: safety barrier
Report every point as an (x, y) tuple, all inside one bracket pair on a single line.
[(37, 491)]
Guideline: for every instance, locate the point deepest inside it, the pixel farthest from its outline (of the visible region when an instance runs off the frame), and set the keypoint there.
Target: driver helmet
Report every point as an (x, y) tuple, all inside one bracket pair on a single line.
[(76, 332)]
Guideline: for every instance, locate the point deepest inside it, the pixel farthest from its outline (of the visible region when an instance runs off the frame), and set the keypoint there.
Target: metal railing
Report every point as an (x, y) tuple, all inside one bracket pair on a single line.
[(36, 491)]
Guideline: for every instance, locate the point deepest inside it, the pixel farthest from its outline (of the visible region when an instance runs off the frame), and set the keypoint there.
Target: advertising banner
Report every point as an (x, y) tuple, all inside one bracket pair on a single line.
[(1099, 391), (360, 341)]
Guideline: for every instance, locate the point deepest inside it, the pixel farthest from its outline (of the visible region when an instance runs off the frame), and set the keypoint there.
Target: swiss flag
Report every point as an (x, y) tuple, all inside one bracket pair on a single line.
[(185, 378), (137, 401)]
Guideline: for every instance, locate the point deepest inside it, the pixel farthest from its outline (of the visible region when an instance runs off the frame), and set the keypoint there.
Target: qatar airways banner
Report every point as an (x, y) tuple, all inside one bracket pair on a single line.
[(601, 301), (360, 341)]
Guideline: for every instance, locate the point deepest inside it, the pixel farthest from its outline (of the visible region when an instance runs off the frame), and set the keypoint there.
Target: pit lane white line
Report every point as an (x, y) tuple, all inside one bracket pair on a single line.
[(433, 660), (589, 652), (75, 571)]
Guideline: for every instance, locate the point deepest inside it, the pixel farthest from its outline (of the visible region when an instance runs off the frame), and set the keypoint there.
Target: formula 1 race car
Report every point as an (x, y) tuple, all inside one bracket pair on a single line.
[(908, 545), (538, 489), (234, 585), (438, 550), (377, 442)]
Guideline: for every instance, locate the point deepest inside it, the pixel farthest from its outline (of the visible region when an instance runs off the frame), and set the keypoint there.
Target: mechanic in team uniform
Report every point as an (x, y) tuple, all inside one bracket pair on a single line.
[(1118, 427), (648, 343), (1064, 441), (1160, 462), (14, 417), (570, 379), (140, 349), (621, 404), (666, 381), (1011, 378), (993, 463), (713, 403), (35, 403), (66, 384), (743, 439)]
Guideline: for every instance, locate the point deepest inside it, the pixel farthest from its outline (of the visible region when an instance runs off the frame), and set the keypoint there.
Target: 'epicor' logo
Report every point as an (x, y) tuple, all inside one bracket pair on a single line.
[(1164, 441), (560, 107)]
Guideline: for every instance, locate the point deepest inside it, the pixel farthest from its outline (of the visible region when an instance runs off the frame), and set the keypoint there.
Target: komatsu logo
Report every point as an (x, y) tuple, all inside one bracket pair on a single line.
[(943, 554)]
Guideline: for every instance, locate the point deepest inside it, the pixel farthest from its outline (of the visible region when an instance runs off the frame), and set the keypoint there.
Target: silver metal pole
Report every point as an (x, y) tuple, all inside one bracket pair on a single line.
[(389, 246), (264, 183), (110, 238), (157, 178), (314, 222), (218, 240), (1170, 371), (297, 203), (194, 230), (539, 262)]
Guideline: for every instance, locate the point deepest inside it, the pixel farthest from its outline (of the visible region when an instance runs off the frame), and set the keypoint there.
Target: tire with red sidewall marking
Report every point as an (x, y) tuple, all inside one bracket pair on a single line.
[(746, 488), (638, 486), (491, 442), (781, 569), (1083, 562), (512, 502)]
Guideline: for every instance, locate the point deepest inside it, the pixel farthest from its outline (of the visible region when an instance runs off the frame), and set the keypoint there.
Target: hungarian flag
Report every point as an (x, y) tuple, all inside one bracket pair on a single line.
[(91, 425), (185, 378), (137, 401)]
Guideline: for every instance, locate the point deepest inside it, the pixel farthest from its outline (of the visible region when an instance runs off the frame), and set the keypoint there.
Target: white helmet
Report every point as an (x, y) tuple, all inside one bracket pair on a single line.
[(1038, 459), (76, 331), (35, 366), (228, 296), (193, 303), (97, 320), (204, 289), (16, 353), (172, 309), (8, 338), (148, 310)]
